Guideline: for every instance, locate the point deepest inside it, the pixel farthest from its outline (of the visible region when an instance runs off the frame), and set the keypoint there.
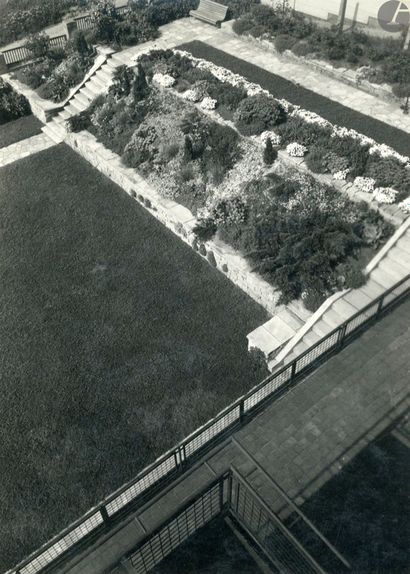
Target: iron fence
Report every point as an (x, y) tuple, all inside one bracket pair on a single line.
[(175, 461), (230, 494), (21, 54)]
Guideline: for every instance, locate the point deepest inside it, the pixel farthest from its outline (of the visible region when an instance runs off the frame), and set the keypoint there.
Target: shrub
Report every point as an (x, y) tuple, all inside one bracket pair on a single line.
[(312, 299), (269, 153), (79, 122), (39, 45), (226, 94), (140, 88), (284, 42), (242, 25), (122, 82), (222, 149), (224, 268), (256, 114), (147, 203), (160, 12), (205, 229), (78, 44), (12, 104), (239, 7), (202, 250), (105, 17), (315, 160), (302, 49), (211, 259)]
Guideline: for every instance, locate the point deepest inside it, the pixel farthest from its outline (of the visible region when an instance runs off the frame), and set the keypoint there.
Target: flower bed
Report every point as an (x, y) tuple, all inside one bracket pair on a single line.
[(376, 60), (305, 238), (54, 70)]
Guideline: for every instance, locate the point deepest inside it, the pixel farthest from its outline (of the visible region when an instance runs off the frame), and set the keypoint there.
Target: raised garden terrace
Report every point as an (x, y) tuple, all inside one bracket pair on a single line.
[(117, 341)]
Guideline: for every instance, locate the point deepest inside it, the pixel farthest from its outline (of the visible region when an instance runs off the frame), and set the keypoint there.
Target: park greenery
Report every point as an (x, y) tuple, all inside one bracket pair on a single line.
[(381, 60), (204, 143), (53, 71), (12, 104)]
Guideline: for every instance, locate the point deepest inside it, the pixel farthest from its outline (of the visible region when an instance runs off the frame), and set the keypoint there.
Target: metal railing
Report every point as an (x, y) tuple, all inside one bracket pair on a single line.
[(22, 54), (84, 22), (231, 494), (175, 461)]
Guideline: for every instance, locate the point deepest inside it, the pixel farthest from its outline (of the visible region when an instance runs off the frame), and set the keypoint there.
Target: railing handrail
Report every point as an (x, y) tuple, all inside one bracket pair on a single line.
[(178, 452)]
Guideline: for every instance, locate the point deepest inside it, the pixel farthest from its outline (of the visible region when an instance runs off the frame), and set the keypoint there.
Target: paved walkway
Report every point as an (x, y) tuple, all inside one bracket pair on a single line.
[(24, 148)]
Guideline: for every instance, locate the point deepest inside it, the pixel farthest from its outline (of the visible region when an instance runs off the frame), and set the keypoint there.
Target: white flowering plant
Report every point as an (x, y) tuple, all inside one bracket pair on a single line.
[(405, 205), (385, 195), (163, 80), (341, 175), (272, 136), (366, 184), (208, 103), (296, 150), (192, 95)]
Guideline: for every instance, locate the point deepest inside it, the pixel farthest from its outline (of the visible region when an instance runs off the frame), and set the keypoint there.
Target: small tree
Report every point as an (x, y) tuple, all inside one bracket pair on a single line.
[(269, 153), (79, 44), (140, 87), (403, 91), (38, 44), (105, 18), (188, 149)]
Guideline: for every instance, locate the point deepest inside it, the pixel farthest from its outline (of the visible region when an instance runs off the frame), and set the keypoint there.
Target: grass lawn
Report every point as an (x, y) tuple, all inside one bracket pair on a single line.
[(18, 130), (116, 341), (307, 99)]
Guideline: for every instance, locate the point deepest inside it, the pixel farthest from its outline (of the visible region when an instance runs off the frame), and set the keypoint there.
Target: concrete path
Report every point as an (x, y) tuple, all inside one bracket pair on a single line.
[(24, 148)]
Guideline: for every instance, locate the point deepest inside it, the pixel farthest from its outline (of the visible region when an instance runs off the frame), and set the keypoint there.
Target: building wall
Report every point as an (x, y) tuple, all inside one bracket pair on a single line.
[(364, 9)]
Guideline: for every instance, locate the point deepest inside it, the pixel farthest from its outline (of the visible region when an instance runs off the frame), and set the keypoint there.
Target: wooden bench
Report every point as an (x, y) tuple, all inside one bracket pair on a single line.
[(210, 12)]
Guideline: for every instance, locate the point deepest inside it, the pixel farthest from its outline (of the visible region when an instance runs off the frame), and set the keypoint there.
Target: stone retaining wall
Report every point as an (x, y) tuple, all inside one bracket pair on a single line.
[(177, 218)]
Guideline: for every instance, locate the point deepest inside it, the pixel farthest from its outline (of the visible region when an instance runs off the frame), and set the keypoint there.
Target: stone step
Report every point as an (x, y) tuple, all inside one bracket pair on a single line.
[(290, 319), (321, 328), (400, 256), (104, 75), (81, 97), (96, 85), (383, 277), (53, 131), (404, 242), (298, 309), (121, 58), (357, 298), (397, 270), (87, 92), (372, 289), (75, 107), (344, 308), (332, 318), (64, 115), (311, 338)]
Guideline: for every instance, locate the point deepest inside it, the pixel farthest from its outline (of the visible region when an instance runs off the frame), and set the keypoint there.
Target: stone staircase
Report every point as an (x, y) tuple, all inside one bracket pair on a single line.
[(97, 84), (390, 265), (272, 336)]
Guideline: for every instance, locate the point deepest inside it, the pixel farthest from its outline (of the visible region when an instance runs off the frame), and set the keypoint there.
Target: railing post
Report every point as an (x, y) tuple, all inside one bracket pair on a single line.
[(71, 27), (380, 306), (3, 66), (242, 411), (105, 515), (293, 370), (342, 335)]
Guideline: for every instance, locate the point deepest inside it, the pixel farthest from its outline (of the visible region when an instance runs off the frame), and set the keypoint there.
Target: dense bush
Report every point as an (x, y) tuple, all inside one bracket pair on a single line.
[(19, 18), (56, 70), (258, 113), (12, 104), (291, 31)]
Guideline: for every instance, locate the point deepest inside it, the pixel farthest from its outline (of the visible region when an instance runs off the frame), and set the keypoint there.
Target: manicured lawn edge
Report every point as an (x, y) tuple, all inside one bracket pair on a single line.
[(18, 130), (199, 369)]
